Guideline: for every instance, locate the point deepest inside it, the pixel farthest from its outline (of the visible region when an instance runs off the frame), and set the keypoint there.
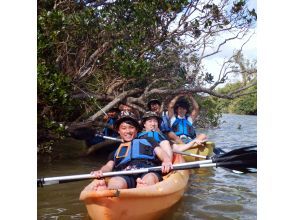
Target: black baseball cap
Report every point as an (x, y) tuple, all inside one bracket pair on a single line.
[(114, 110), (153, 101), (129, 119)]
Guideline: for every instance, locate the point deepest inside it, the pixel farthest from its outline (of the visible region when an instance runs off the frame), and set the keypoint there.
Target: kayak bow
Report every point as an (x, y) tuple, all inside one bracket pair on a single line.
[(149, 202)]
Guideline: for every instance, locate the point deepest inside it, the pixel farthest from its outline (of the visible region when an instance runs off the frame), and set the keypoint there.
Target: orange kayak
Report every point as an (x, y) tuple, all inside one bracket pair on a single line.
[(149, 202), (206, 150)]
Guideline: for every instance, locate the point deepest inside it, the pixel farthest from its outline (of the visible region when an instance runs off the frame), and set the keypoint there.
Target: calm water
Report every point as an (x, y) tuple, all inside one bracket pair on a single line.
[(212, 193)]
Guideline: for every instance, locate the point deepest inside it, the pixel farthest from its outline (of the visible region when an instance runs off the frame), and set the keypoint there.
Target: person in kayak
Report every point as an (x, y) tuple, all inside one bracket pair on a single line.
[(132, 154), (125, 109), (154, 105), (150, 122), (180, 119), (109, 119)]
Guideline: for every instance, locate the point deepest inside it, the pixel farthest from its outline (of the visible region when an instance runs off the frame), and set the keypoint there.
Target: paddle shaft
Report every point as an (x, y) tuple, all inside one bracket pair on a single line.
[(190, 154), (243, 159), (110, 138), (72, 178)]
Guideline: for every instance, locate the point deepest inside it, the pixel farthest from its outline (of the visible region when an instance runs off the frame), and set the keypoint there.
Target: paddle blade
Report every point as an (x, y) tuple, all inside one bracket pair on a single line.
[(218, 151), (238, 151), (245, 163), (40, 182), (239, 167)]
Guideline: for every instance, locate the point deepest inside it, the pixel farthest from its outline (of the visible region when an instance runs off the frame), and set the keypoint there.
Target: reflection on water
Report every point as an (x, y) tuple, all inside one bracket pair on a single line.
[(212, 193)]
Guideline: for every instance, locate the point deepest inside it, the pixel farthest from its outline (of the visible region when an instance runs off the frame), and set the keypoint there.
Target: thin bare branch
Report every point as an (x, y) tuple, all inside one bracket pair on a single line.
[(114, 102)]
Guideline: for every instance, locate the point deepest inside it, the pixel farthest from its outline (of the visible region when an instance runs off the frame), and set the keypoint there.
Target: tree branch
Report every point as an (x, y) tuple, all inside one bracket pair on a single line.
[(114, 102)]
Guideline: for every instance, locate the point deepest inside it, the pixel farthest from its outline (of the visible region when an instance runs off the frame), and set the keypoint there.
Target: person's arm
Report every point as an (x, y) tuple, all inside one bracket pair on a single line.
[(195, 109), (166, 161), (171, 105), (172, 136), (183, 147), (108, 167), (161, 108), (165, 145), (105, 118)]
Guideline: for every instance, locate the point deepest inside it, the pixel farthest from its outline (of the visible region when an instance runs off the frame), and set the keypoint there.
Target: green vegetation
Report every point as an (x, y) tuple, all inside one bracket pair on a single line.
[(91, 53), (245, 105), (210, 112)]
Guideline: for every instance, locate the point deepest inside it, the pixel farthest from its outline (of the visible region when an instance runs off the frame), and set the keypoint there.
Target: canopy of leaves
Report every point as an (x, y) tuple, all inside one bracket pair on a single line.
[(241, 105), (94, 54)]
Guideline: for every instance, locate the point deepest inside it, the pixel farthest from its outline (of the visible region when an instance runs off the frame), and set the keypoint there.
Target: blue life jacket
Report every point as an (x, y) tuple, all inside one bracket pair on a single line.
[(183, 127), (106, 132), (135, 150), (164, 126), (110, 132), (158, 136)]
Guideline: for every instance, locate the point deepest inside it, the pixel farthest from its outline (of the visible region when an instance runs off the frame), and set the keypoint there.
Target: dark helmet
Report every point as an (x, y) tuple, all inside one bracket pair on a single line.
[(114, 110), (129, 119), (150, 114), (153, 101), (182, 103)]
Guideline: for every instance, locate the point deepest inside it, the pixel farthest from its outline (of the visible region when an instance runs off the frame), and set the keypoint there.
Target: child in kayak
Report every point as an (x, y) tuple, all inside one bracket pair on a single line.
[(150, 121), (154, 105), (180, 119), (132, 154), (109, 120), (127, 110)]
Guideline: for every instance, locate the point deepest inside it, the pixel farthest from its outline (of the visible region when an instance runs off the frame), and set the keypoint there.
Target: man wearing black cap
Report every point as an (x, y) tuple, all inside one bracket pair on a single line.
[(154, 105), (109, 119), (133, 154)]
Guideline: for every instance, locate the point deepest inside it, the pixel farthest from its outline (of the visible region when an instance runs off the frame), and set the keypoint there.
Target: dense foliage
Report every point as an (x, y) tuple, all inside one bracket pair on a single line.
[(94, 54), (210, 112), (246, 105)]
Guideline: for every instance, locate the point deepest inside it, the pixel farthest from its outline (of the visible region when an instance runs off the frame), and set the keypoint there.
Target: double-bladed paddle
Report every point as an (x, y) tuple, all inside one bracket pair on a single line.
[(243, 160), (219, 157), (248, 155), (108, 137)]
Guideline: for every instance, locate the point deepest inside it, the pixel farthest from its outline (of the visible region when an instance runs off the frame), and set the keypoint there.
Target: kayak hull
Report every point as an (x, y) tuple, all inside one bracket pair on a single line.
[(138, 203), (206, 150)]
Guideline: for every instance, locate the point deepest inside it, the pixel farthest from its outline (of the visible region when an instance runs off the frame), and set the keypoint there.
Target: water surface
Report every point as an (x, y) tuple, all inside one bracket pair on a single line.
[(212, 193)]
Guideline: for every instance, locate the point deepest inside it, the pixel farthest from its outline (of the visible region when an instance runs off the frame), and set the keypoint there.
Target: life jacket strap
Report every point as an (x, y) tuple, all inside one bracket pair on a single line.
[(123, 150)]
